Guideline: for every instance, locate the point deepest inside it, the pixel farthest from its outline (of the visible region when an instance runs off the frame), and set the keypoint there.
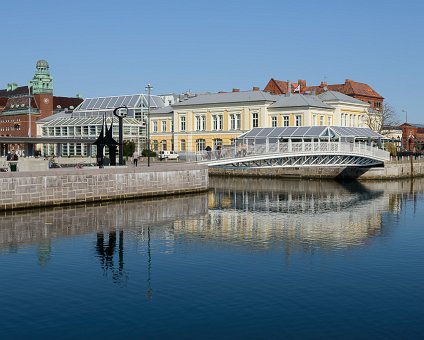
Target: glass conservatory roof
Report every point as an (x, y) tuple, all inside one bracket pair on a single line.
[(310, 132), (109, 103), (76, 121)]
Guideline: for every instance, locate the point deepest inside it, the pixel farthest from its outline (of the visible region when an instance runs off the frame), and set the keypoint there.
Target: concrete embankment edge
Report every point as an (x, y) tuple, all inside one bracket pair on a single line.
[(391, 170), (62, 187)]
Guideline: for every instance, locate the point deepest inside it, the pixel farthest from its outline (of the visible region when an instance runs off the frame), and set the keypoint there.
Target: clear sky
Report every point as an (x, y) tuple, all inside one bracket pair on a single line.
[(100, 48)]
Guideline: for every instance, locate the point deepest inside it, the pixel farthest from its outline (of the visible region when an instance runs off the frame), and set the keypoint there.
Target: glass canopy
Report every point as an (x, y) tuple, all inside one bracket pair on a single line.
[(309, 132)]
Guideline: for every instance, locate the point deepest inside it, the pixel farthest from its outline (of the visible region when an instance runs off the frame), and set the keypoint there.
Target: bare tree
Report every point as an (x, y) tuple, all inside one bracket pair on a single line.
[(384, 120)]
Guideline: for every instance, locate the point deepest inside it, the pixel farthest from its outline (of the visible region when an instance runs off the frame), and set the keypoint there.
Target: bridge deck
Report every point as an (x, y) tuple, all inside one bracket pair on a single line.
[(296, 154)]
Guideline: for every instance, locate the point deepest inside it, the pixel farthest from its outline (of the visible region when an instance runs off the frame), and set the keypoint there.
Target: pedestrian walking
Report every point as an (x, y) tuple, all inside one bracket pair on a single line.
[(135, 157)]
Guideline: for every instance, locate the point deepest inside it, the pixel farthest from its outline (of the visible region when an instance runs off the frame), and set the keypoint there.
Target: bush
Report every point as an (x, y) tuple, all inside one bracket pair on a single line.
[(145, 153), (129, 148), (390, 147)]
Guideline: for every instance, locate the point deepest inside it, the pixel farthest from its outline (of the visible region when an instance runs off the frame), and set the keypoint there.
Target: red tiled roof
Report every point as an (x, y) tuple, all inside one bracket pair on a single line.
[(19, 91), (66, 102), (350, 88)]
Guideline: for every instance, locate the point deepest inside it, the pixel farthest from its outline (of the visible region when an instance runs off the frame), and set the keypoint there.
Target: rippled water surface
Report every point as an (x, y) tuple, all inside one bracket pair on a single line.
[(249, 259)]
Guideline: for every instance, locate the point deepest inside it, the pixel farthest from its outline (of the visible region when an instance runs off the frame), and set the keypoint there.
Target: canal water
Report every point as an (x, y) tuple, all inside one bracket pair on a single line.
[(250, 259)]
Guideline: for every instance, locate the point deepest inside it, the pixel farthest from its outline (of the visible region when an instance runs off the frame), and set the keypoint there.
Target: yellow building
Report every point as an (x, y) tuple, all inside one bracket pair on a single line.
[(211, 120)]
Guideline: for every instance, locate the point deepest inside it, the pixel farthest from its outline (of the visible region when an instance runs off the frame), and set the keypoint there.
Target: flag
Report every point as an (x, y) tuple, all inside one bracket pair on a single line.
[(297, 89)]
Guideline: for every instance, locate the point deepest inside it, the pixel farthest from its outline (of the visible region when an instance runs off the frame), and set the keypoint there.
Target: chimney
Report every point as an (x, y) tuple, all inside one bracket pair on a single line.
[(255, 88), (289, 87), (236, 90)]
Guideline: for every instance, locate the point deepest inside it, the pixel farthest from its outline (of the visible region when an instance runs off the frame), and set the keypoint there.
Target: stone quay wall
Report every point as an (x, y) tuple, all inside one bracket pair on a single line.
[(70, 186), (391, 170)]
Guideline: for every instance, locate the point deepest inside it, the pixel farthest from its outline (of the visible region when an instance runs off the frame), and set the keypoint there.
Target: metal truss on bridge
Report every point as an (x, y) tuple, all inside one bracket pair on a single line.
[(302, 154), (293, 160)]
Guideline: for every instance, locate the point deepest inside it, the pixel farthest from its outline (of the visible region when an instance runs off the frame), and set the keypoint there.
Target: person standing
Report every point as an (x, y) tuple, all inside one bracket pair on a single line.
[(135, 157)]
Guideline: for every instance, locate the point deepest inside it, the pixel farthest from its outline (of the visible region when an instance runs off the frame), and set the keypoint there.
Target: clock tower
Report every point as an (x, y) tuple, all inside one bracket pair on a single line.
[(42, 82)]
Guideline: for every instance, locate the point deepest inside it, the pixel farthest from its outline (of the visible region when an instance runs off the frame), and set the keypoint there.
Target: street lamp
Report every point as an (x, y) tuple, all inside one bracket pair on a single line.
[(121, 112), (406, 116), (148, 88)]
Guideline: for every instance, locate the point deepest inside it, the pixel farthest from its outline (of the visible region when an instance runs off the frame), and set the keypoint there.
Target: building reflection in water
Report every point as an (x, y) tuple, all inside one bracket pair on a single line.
[(254, 213), (299, 214)]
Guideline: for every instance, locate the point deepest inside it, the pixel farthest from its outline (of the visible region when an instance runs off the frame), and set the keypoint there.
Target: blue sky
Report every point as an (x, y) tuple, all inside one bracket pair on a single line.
[(99, 48)]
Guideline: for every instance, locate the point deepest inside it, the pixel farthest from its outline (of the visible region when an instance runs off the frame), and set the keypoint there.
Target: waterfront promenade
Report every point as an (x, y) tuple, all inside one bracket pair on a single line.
[(70, 185)]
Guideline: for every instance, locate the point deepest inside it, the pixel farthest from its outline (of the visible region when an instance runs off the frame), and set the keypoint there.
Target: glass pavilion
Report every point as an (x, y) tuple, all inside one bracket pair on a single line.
[(308, 134), (86, 121)]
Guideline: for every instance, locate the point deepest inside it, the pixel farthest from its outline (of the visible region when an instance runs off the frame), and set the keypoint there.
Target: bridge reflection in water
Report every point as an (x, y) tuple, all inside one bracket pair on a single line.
[(255, 213), (309, 214)]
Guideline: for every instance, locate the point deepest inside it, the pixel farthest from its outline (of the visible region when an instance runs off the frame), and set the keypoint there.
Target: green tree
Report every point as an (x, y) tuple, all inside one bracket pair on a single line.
[(129, 148)]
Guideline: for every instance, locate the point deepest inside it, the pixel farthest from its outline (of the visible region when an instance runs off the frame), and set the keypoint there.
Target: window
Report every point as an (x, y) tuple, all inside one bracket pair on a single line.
[(330, 121), (155, 126), (200, 123), (235, 121), (183, 145), (285, 120), (155, 145), (314, 120), (255, 119), (163, 145), (217, 142), (217, 122), (163, 125), (298, 120), (182, 123), (321, 120), (200, 144), (274, 121)]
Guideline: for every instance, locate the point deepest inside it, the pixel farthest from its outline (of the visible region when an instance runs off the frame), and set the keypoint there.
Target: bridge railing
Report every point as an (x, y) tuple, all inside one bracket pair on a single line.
[(237, 151)]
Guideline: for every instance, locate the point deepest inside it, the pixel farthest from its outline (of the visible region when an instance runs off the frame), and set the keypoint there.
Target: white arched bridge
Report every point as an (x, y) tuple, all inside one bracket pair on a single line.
[(317, 146)]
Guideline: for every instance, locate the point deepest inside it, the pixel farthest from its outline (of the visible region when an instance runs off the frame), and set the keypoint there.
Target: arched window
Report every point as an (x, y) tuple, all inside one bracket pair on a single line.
[(217, 142), (182, 145), (200, 144)]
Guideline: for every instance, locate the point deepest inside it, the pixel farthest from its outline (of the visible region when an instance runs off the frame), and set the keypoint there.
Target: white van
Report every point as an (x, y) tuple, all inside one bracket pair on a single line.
[(168, 155)]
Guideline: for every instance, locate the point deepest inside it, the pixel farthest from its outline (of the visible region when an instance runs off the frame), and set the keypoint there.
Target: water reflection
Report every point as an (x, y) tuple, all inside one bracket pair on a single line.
[(106, 252), (254, 213), (21, 228), (307, 214)]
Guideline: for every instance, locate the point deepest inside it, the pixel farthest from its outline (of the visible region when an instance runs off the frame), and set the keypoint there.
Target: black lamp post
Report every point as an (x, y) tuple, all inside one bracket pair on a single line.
[(148, 88), (121, 114)]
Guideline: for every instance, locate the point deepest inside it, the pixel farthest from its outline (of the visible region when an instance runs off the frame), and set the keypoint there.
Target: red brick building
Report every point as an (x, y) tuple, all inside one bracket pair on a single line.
[(22, 106), (360, 91), (412, 137)]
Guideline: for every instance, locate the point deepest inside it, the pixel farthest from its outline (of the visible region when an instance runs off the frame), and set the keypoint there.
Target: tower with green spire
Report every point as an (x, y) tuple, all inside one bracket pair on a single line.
[(42, 82)]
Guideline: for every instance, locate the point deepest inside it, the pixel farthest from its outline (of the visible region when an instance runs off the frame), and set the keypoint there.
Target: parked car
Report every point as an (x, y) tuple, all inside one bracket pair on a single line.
[(168, 155)]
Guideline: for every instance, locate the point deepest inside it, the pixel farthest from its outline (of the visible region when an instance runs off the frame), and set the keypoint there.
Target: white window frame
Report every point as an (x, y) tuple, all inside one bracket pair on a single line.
[(298, 120), (182, 123)]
